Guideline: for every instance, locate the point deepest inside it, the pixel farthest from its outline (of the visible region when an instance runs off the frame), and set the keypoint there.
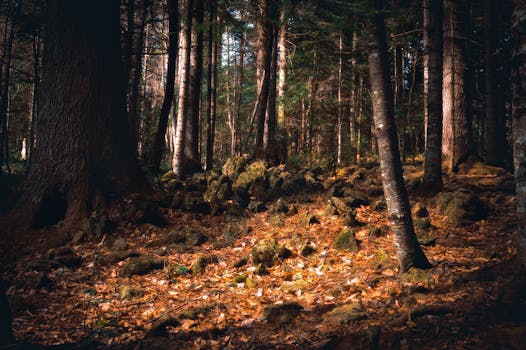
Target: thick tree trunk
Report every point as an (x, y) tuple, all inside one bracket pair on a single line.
[(4, 91), (6, 330), (36, 94), (173, 42), (192, 156), (518, 31), (178, 160), (409, 252), (433, 94), (238, 91), (212, 85), (456, 136), (491, 124), (339, 138), (269, 138), (83, 150)]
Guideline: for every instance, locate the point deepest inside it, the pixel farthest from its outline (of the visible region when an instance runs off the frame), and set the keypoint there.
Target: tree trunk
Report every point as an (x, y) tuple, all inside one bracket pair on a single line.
[(238, 89), (213, 39), (456, 136), (433, 94), (173, 42), (83, 150), (518, 75), (192, 156), (340, 106), (409, 252), (178, 160), (491, 124), (263, 65), (282, 77), (36, 94), (6, 329), (269, 139)]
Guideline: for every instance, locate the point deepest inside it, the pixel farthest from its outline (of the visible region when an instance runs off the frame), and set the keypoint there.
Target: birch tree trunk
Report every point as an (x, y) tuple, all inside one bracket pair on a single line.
[(409, 252)]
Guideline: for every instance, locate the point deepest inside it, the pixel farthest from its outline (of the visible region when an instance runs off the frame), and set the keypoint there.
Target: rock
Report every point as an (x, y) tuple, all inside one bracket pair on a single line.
[(167, 176), (294, 183), (349, 219), (307, 219), (256, 206), (330, 210), (195, 237), (199, 265), (346, 171), (346, 240), (260, 189), (219, 189), (336, 190), (240, 263), (461, 207), (128, 292), (419, 211), (119, 245), (416, 276), (284, 253), (279, 315), (292, 210), (279, 207), (346, 313), (175, 270), (141, 265), (140, 209), (307, 250), (276, 220), (475, 168), (422, 223), (240, 278), (265, 252), (194, 203), (357, 175), (354, 198), (255, 170), (235, 166), (241, 197), (174, 237), (261, 270), (173, 185), (158, 327), (341, 205), (379, 205)]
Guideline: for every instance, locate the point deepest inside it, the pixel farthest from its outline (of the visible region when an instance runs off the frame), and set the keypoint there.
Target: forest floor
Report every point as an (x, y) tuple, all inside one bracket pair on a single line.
[(316, 298)]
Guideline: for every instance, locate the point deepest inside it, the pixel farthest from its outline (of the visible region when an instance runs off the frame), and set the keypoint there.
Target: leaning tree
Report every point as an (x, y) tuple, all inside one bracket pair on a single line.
[(83, 156), (409, 252)]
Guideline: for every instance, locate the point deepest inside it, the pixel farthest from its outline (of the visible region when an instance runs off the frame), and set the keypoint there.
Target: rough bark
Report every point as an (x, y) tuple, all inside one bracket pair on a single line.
[(169, 89), (192, 156), (518, 74), (282, 77), (83, 151), (263, 65), (212, 85), (433, 94), (491, 124), (456, 135), (269, 137), (6, 330), (182, 103), (409, 252)]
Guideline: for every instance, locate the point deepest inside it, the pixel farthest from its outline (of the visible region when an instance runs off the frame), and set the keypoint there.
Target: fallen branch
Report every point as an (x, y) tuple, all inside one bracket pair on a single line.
[(436, 310)]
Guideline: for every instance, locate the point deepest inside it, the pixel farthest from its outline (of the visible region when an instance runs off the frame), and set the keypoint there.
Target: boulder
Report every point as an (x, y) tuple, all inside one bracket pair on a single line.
[(280, 206), (119, 245), (307, 219), (199, 265), (195, 203), (255, 170), (218, 189), (355, 198), (256, 206), (461, 207), (346, 313), (419, 210), (141, 265), (346, 240), (265, 252), (128, 292), (281, 314), (235, 166), (293, 183)]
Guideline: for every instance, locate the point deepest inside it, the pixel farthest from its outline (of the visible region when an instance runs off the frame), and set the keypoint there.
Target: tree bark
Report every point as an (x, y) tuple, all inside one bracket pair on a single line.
[(433, 12), (409, 252), (83, 150), (263, 65), (169, 89), (456, 136), (6, 329), (212, 85), (192, 156), (178, 160), (518, 75), (491, 124), (282, 78), (269, 138)]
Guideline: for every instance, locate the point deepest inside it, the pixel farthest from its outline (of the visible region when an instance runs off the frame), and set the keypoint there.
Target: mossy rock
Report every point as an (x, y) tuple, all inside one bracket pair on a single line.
[(330, 210), (374, 191), (128, 292), (199, 265), (279, 206), (250, 283), (293, 183), (349, 219), (195, 203), (175, 270), (253, 171), (256, 206), (174, 237), (346, 171), (119, 244), (419, 210), (355, 198), (235, 166), (261, 270), (279, 315), (194, 313), (219, 189), (357, 176), (377, 231), (167, 176), (476, 168), (307, 219), (417, 276), (240, 279), (141, 265), (173, 185), (422, 223), (115, 257), (284, 252), (341, 205), (379, 205), (346, 313), (461, 207), (195, 237), (277, 220), (294, 286), (346, 240), (240, 263), (265, 252)]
